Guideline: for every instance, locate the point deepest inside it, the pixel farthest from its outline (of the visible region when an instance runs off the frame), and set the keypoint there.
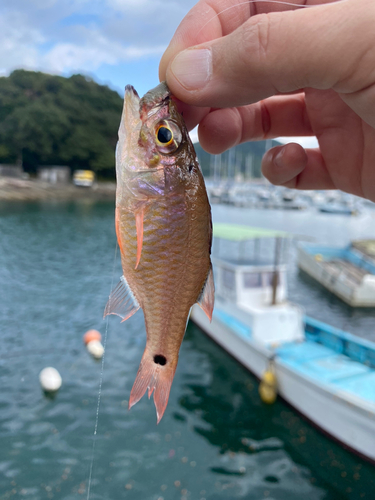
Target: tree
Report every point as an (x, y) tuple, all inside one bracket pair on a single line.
[(47, 119)]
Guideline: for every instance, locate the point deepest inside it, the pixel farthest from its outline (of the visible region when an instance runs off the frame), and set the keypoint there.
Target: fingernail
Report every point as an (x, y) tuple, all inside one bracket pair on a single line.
[(279, 158), (193, 68)]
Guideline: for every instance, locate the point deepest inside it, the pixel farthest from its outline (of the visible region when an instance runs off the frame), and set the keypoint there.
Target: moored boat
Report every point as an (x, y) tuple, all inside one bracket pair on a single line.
[(335, 208), (347, 271), (326, 374)]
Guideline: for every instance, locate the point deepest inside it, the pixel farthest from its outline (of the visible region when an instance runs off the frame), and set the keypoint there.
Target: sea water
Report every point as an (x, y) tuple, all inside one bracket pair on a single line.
[(216, 441)]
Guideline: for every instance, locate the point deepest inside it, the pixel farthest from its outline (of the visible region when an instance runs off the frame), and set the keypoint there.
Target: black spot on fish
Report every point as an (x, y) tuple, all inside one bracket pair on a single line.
[(191, 166), (159, 359)]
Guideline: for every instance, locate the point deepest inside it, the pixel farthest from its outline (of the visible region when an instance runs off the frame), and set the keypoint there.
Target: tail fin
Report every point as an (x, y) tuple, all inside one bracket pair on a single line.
[(156, 374)]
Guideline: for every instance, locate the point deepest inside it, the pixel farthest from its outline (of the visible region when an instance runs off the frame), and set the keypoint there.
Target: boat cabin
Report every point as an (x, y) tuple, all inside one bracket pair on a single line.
[(251, 282)]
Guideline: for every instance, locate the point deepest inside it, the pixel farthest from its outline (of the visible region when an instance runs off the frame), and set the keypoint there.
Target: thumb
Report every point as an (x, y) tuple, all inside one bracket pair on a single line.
[(278, 52)]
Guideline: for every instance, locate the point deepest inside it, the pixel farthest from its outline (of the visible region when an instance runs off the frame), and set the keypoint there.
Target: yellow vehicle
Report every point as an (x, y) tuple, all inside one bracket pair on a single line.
[(84, 178)]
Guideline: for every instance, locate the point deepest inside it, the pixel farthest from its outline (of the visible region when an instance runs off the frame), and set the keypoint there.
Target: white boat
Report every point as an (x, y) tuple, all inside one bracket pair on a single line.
[(337, 208), (326, 374), (347, 272)]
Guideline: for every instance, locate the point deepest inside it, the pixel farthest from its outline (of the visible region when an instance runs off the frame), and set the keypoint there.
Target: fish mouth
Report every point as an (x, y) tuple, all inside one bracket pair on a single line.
[(130, 119), (135, 113), (137, 109), (129, 89), (131, 102)]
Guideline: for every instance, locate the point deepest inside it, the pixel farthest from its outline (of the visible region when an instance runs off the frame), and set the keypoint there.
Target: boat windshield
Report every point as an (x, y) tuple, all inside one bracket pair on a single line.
[(252, 280)]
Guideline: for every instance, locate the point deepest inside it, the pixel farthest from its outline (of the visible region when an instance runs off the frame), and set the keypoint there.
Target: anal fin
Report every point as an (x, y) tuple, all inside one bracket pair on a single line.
[(207, 297), (122, 301)]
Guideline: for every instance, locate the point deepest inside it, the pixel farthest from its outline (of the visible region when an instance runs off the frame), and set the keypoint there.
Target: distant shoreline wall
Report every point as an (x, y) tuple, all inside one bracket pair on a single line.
[(14, 171), (14, 189)]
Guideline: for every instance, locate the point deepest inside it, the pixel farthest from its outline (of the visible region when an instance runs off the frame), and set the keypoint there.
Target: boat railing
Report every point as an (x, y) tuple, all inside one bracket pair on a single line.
[(359, 259), (350, 254), (339, 267), (358, 349)]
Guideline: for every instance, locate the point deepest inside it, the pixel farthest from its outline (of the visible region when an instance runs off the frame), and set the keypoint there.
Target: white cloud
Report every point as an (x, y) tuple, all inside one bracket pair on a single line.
[(146, 7), (91, 55), (18, 42), (126, 5), (137, 52), (63, 36), (21, 46)]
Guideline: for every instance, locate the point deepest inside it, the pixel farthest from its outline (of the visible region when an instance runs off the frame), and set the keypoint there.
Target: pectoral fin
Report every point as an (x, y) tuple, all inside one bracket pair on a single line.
[(118, 232), (122, 301), (139, 226), (207, 297)]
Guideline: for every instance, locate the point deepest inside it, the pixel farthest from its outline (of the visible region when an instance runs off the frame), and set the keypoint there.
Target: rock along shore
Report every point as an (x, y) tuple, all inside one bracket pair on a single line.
[(12, 189)]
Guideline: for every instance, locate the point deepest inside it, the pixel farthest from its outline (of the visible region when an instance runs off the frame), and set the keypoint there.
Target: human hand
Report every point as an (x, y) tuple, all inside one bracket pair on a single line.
[(264, 70)]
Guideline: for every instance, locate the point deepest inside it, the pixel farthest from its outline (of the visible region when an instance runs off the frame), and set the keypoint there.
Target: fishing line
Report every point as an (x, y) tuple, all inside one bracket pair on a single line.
[(100, 388), (281, 2)]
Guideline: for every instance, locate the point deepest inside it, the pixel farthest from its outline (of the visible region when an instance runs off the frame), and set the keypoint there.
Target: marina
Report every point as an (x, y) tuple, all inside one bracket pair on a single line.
[(258, 193)]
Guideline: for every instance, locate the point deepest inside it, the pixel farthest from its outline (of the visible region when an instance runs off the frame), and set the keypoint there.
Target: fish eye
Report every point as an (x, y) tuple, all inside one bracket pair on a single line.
[(165, 135), (168, 136)]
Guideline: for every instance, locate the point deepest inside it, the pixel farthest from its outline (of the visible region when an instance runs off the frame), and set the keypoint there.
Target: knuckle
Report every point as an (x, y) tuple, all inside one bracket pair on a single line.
[(263, 35), (257, 36), (265, 119)]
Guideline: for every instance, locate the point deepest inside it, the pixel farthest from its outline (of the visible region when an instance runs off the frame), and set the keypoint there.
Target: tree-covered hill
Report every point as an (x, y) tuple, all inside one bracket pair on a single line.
[(52, 120)]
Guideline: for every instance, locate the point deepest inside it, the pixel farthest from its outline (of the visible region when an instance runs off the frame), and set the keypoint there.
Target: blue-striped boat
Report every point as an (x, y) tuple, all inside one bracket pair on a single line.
[(328, 375)]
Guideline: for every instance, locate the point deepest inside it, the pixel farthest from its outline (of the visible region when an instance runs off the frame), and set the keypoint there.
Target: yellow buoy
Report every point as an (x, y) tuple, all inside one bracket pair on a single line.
[(268, 386)]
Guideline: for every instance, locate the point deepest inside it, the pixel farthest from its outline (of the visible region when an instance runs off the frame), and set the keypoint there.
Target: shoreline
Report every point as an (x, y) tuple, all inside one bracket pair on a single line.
[(13, 189)]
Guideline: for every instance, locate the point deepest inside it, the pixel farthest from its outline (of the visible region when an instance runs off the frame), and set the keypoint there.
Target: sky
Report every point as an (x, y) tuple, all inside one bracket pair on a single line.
[(116, 42)]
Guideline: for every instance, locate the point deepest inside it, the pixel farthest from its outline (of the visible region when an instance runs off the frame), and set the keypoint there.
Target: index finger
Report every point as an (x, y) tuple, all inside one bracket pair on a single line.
[(211, 19)]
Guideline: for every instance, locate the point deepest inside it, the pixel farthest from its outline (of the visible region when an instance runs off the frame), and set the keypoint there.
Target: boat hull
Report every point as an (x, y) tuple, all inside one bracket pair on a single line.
[(339, 414)]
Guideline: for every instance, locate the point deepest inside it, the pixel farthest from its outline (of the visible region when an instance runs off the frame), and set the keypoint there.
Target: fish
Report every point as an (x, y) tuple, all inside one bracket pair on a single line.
[(164, 232)]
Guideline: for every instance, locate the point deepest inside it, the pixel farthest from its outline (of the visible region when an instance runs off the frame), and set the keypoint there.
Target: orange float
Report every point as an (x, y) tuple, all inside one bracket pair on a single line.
[(91, 335)]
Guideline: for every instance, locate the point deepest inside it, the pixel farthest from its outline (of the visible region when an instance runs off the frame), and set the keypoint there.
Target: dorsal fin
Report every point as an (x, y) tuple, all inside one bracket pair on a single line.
[(207, 297), (122, 301)]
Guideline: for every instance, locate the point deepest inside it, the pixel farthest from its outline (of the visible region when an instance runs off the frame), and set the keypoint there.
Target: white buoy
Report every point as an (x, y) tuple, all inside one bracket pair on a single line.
[(50, 379), (95, 348)]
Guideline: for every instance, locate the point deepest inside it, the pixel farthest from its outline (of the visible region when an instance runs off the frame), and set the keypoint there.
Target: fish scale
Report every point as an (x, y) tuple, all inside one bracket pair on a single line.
[(163, 226)]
